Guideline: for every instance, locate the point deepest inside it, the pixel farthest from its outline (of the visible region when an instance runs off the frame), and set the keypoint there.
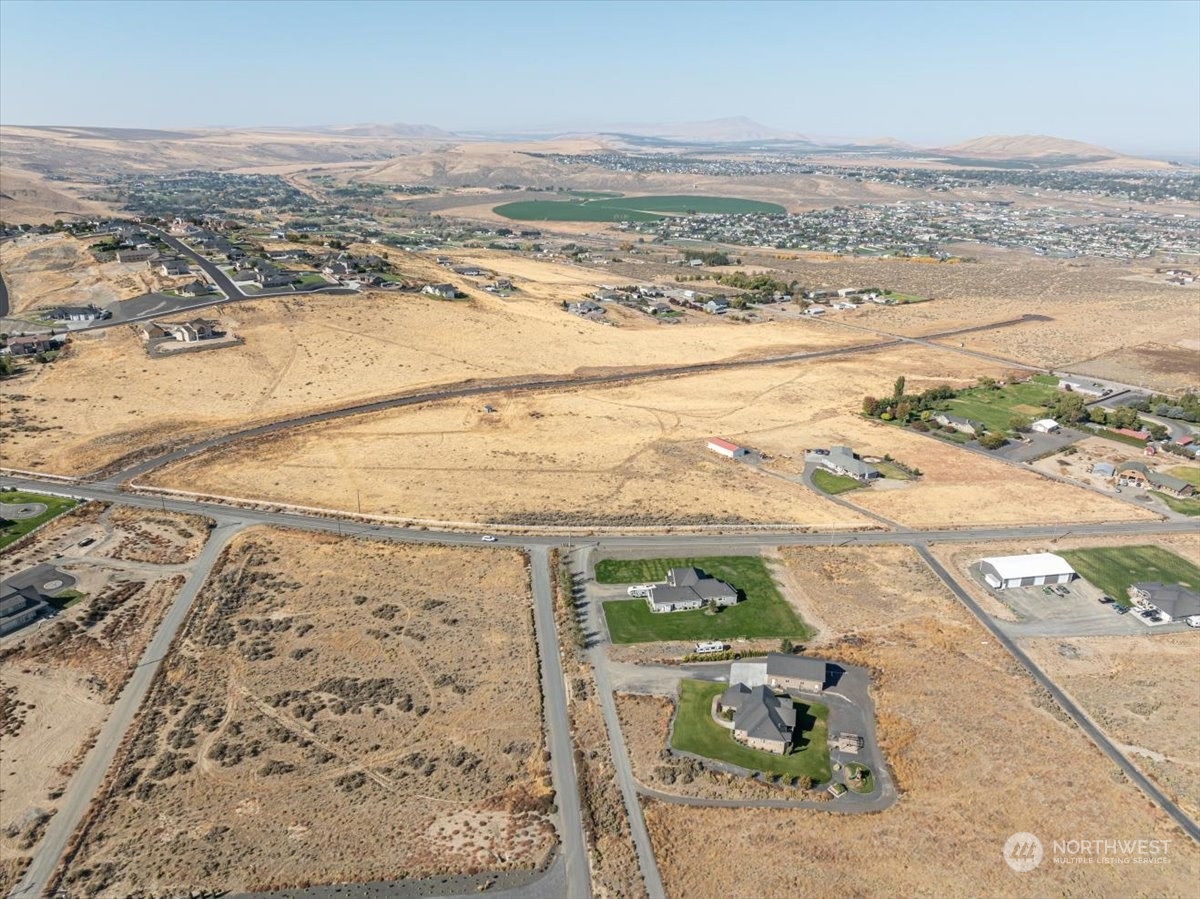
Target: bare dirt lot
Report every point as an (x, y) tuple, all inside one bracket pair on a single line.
[(54, 269), (1120, 683), (600, 456), (958, 762), (314, 352), (58, 677), (334, 711)]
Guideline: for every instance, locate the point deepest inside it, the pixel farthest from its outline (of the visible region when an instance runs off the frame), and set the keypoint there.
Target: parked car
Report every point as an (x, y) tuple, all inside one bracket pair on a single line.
[(87, 541), (1120, 610), (1106, 600)]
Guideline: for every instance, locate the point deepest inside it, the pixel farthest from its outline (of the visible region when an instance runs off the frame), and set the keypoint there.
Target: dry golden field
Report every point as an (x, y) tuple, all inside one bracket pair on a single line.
[(1143, 692), (978, 754), (334, 710), (315, 352), (57, 678), (635, 454)]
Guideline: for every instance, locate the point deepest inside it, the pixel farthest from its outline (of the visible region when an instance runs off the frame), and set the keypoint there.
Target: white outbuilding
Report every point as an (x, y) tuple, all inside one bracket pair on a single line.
[(1044, 426), (725, 448), (1032, 570)]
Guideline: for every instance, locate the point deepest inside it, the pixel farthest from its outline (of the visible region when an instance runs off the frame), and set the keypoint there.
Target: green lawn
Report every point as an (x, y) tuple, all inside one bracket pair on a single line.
[(55, 505), (695, 731), (996, 407), (66, 599), (629, 209), (1114, 568), (893, 471), (833, 484), (311, 278), (762, 611), (1187, 473), (1175, 504)]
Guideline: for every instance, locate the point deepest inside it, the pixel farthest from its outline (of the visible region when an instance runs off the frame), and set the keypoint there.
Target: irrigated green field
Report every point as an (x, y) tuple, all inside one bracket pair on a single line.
[(15, 528), (630, 209), (1114, 568), (762, 612), (695, 731), (996, 408)]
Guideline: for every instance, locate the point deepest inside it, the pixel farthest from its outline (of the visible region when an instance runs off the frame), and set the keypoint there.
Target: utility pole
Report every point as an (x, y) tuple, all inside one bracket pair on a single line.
[(358, 497)]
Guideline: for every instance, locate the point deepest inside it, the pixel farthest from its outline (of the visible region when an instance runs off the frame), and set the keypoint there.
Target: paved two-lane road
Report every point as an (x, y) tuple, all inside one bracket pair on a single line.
[(87, 780)]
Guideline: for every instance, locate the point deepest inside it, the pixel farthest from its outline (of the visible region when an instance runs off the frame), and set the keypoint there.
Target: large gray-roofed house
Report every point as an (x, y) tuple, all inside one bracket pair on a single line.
[(841, 460), (19, 606), (1176, 602), (789, 672), (687, 588), (761, 719)]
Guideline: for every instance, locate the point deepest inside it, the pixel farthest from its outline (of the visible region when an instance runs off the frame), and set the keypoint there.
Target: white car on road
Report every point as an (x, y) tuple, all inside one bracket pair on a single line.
[(489, 538)]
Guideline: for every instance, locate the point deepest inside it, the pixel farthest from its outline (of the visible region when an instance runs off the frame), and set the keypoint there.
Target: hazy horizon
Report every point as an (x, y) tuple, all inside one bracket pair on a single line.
[(1121, 76)]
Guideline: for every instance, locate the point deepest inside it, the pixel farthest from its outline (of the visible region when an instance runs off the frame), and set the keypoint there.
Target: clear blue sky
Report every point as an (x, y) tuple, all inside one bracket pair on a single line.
[(1124, 75)]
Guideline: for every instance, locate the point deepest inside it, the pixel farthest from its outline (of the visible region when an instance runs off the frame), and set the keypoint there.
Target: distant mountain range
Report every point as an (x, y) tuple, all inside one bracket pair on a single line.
[(1028, 146)]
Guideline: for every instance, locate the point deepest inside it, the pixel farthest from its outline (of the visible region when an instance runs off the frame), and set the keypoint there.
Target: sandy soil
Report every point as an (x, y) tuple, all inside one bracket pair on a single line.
[(959, 762), (600, 456), (1121, 682), (405, 743), (52, 269), (58, 677), (1077, 465), (303, 354)]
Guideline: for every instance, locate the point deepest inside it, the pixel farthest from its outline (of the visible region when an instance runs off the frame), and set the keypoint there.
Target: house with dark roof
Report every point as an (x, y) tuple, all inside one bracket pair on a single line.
[(173, 267), (1138, 474), (74, 313), (19, 606), (789, 672), (197, 288), (689, 588), (960, 424), (28, 346), (1176, 602), (761, 720), (445, 291)]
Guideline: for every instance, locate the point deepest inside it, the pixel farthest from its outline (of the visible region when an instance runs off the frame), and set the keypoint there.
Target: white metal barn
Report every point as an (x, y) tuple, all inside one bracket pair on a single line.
[(1044, 426), (725, 448), (1032, 570)]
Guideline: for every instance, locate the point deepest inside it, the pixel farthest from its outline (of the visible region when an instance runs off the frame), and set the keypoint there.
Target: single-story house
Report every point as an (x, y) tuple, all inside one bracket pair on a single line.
[(19, 606), (1185, 440), (137, 254), (761, 719), (1176, 602), (725, 448), (197, 288), (1044, 426), (1033, 570), (28, 346), (841, 460), (445, 291), (960, 424), (688, 588), (717, 306), (789, 672), (174, 267), (1137, 474), (585, 307), (74, 313)]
